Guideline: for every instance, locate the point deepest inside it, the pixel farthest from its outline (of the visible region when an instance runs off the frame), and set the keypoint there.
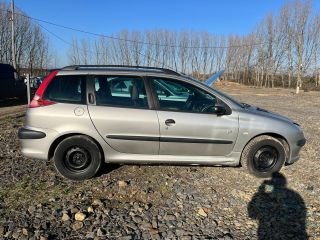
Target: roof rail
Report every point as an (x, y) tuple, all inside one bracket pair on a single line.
[(114, 67)]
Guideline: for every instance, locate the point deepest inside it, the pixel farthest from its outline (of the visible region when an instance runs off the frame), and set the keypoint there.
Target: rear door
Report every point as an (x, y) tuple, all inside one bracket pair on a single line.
[(121, 111), (188, 122)]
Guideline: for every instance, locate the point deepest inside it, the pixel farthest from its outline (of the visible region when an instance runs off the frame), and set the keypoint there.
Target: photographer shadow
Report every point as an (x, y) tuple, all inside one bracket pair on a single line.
[(281, 212)]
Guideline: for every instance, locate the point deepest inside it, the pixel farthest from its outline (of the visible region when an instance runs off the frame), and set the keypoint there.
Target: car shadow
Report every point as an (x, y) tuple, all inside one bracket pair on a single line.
[(281, 212), (107, 168)]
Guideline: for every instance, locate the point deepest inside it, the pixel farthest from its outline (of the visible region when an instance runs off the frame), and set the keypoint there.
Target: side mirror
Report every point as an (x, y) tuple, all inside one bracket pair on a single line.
[(220, 110)]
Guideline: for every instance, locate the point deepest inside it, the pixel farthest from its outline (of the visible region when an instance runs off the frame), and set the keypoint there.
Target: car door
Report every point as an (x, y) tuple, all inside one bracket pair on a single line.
[(188, 122), (120, 111)]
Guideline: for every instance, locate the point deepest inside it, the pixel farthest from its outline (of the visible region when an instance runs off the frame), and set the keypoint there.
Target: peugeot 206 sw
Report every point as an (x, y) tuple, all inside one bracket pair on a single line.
[(83, 116)]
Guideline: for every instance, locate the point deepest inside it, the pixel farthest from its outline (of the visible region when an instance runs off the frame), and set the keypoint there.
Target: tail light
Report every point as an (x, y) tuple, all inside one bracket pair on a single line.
[(38, 100)]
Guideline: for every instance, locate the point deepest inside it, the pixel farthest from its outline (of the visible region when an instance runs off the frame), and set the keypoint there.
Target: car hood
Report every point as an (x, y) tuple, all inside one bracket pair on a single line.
[(267, 113)]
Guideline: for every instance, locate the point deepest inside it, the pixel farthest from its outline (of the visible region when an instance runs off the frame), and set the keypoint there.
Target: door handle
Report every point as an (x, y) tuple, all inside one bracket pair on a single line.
[(169, 122), (91, 98)]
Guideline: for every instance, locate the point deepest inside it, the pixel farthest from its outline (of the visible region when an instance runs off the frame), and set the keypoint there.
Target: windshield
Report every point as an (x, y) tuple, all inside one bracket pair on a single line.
[(241, 104), (224, 95)]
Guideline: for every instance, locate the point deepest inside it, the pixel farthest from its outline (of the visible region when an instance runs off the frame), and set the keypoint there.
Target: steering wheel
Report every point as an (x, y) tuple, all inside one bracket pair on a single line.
[(189, 103), (208, 108)]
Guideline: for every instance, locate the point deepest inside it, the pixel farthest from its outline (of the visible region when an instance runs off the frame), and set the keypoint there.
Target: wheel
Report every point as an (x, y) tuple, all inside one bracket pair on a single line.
[(263, 156), (77, 158)]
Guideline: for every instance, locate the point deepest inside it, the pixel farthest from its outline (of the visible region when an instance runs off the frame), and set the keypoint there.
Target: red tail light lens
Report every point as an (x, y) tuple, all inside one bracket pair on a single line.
[(38, 100)]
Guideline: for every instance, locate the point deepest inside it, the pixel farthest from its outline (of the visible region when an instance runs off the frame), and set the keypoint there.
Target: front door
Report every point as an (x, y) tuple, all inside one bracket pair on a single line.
[(188, 122), (122, 116)]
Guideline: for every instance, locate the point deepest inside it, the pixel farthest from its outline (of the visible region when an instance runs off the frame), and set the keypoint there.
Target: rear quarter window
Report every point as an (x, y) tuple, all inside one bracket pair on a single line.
[(67, 89)]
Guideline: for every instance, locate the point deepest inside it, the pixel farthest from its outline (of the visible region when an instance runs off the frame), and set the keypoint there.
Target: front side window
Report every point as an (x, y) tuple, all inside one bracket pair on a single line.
[(176, 95), (120, 91), (66, 89)]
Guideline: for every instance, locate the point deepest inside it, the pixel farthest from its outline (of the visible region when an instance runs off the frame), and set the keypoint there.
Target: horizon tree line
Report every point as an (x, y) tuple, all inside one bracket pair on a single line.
[(282, 50)]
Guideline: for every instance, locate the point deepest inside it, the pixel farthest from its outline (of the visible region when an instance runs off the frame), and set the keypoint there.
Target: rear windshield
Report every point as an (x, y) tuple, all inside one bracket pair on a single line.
[(66, 89)]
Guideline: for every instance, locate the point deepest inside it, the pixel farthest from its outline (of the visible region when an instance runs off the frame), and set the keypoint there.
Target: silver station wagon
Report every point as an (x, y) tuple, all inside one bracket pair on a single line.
[(83, 116)]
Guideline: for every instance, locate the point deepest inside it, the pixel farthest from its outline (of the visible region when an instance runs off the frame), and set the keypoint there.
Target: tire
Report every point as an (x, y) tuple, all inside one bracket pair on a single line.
[(77, 158), (263, 156)]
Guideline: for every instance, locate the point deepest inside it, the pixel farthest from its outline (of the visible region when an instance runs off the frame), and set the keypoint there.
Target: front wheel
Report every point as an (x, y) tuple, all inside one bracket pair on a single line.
[(77, 158), (263, 156)]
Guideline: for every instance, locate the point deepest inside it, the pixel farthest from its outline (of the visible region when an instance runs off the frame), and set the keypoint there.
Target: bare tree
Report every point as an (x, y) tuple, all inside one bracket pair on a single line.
[(74, 53), (301, 15), (281, 50), (31, 44)]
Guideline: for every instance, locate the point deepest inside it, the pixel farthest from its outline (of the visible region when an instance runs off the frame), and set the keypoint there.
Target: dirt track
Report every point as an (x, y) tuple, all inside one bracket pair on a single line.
[(11, 107), (12, 110)]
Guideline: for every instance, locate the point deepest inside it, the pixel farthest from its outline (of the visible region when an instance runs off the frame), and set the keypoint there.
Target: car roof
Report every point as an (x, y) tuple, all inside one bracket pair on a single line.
[(120, 68)]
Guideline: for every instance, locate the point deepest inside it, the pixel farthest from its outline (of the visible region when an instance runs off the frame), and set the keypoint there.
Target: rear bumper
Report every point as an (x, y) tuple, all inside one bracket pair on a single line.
[(35, 143), (25, 133)]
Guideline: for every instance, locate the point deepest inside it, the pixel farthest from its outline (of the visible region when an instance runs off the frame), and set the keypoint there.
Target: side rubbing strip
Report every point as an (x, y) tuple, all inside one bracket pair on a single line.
[(25, 133), (134, 138), (194, 140), (168, 139)]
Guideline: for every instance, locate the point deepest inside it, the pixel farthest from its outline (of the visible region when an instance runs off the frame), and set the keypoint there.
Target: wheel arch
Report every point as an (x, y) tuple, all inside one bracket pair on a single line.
[(281, 138), (56, 142)]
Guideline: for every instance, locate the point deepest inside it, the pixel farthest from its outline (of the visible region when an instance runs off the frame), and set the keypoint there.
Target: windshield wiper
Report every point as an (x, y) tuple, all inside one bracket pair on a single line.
[(245, 105)]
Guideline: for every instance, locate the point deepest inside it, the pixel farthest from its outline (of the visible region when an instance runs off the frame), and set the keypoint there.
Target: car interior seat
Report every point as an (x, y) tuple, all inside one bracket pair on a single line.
[(104, 92), (134, 93)]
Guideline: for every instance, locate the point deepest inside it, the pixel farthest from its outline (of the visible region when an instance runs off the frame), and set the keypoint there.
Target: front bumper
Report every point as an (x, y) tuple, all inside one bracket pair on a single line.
[(295, 151)]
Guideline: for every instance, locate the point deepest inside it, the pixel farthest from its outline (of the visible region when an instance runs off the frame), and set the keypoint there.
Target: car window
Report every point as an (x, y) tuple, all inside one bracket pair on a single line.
[(174, 95), (67, 89), (125, 91)]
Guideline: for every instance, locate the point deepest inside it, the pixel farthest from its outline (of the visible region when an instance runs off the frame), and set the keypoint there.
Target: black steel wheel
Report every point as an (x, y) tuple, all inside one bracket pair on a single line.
[(77, 157), (263, 156)]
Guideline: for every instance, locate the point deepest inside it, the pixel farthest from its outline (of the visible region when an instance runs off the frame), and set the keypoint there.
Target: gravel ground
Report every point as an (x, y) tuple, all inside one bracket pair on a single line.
[(11, 108), (166, 202)]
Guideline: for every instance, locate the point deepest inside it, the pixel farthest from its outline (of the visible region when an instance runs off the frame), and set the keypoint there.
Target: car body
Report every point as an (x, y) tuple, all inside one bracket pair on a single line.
[(150, 120)]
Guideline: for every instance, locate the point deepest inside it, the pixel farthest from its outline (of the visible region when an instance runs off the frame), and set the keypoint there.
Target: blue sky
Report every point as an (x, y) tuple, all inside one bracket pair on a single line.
[(107, 17)]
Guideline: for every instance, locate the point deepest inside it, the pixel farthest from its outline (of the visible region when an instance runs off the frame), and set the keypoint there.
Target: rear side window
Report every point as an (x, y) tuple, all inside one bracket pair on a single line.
[(120, 91), (66, 89)]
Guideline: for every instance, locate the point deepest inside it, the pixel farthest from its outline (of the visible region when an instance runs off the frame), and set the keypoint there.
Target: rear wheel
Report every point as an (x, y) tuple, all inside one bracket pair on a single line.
[(263, 156), (77, 158)]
